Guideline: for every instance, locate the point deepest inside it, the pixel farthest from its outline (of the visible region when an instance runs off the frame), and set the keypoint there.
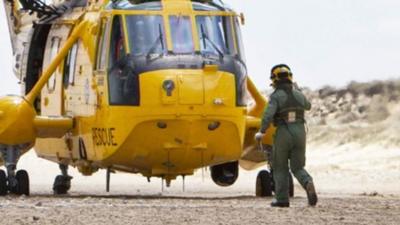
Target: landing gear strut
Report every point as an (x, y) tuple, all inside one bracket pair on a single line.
[(15, 182), (62, 183)]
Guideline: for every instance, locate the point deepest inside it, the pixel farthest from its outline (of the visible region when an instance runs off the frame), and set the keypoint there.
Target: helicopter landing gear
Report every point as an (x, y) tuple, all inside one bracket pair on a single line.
[(15, 182), (264, 184), (62, 183)]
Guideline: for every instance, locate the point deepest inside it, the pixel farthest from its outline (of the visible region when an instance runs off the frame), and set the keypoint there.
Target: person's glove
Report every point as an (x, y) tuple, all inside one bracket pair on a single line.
[(259, 136)]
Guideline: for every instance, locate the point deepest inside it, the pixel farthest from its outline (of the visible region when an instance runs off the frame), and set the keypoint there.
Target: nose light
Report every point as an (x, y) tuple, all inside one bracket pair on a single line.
[(168, 86)]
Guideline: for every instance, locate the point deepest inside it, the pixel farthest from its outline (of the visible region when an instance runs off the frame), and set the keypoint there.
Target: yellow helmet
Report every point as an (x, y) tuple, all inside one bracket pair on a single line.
[(281, 72)]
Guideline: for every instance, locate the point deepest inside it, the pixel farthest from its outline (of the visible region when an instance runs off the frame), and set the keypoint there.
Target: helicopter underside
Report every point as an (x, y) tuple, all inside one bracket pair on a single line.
[(178, 146), (156, 146)]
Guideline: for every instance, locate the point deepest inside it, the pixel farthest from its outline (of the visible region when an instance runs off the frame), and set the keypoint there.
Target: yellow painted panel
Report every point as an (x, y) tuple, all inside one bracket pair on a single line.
[(191, 89)]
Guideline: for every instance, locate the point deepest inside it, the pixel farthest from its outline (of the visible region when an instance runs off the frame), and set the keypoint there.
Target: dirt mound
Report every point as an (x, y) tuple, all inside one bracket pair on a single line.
[(357, 103), (363, 113)]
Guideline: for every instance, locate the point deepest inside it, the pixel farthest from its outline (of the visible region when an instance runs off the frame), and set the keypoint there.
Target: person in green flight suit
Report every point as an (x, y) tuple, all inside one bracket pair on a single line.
[(285, 110)]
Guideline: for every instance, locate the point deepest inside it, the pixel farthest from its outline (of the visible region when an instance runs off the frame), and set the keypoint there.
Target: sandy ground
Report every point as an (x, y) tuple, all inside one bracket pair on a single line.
[(196, 210), (356, 186)]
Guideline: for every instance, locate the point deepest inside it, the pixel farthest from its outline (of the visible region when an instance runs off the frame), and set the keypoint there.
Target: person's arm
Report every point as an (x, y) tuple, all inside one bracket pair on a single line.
[(269, 113)]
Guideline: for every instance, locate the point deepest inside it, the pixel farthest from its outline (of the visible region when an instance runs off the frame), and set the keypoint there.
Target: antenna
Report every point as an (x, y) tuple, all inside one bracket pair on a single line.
[(202, 165), (162, 184), (183, 183), (108, 179)]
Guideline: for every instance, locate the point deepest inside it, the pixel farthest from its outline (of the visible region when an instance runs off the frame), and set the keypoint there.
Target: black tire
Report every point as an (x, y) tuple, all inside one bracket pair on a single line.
[(3, 183), (225, 174), (23, 182), (61, 185), (264, 184), (291, 185)]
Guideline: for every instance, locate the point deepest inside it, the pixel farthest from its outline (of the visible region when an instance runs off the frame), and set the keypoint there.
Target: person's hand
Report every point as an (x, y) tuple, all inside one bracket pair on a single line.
[(259, 136)]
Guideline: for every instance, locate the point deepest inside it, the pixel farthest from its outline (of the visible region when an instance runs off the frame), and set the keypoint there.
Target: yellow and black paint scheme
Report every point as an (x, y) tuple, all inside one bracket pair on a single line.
[(104, 102)]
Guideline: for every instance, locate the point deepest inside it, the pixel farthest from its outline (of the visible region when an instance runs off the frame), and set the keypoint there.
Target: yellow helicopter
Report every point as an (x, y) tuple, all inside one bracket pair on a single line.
[(158, 88)]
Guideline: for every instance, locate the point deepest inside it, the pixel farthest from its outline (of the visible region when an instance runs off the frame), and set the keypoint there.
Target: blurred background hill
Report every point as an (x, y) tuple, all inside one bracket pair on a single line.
[(362, 113)]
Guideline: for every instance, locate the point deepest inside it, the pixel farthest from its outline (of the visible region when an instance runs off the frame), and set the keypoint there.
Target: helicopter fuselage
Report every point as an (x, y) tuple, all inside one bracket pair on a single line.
[(126, 116), (157, 88)]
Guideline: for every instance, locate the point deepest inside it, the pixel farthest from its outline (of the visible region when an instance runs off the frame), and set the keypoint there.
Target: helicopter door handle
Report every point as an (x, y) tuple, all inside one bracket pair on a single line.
[(168, 86)]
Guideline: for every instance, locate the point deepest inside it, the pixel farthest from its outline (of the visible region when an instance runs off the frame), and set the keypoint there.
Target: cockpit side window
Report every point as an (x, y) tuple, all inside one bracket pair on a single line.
[(215, 35), (117, 47), (123, 80), (181, 34)]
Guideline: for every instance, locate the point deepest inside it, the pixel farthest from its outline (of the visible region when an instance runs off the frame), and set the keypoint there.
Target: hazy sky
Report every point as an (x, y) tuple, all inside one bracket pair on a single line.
[(324, 41)]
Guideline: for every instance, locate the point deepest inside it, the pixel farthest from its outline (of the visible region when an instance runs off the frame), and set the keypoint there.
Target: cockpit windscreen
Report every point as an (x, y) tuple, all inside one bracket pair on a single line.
[(215, 35), (146, 35)]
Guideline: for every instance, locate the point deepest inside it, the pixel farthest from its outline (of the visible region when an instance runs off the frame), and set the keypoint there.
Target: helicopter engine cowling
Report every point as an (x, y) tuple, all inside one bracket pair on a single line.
[(225, 174)]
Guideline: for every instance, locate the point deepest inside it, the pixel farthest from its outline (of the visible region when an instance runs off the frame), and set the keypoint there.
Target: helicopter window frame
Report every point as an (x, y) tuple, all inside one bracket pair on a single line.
[(70, 65), (187, 29), (54, 49)]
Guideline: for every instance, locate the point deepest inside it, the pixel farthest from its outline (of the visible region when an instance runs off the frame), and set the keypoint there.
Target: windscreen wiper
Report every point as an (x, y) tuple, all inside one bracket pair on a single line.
[(159, 40), (212, 44)]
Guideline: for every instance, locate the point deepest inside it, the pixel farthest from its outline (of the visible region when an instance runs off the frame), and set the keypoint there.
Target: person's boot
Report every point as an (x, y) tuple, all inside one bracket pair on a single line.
[(311, 194), (275, 203)]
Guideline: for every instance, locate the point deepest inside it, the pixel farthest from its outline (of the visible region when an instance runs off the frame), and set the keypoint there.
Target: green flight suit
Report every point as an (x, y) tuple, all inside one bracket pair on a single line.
[(286, 110)]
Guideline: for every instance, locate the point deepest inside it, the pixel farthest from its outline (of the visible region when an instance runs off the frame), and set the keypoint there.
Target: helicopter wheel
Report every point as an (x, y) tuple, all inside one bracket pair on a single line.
[(264, 184), (3, 183), (22, 178), (62, 184)]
